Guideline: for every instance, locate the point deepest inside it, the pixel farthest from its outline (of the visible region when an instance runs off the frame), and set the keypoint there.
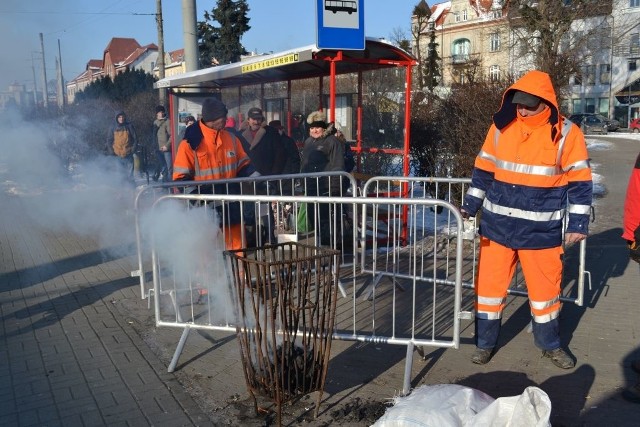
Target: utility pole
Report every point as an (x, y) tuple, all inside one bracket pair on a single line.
[(45, 92), (160, 63), (35, 85), (62, 92), (189, 35)]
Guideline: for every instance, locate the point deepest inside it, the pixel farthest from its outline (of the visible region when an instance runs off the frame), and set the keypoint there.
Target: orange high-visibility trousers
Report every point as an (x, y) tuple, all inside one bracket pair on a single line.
[(542, 269), (233, 237)]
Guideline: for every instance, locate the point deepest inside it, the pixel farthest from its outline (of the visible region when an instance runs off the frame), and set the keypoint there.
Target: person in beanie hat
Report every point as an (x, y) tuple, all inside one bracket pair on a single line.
[(162, 138), (210, 152), (323, 152)]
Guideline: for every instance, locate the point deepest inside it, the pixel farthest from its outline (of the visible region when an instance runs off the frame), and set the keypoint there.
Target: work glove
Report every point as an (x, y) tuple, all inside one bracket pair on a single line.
[(634, 246)]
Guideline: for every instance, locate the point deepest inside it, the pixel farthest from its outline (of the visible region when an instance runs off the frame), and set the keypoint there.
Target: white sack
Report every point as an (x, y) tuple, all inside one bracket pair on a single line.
[(452, 405)]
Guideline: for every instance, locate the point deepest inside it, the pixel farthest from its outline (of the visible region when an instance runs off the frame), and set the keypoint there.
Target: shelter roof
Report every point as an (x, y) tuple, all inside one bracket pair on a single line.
[(293, 64)]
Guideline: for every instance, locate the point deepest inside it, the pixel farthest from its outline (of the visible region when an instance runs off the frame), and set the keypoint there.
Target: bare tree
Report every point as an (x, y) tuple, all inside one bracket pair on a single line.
[(554, 36)]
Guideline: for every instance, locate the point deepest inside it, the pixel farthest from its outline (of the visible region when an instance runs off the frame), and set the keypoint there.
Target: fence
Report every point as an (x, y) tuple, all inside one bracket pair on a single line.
[(407, 232)]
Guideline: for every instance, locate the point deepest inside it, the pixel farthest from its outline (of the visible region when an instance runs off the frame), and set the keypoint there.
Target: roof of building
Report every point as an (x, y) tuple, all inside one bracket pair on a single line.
[(137, 53), (120, 48)]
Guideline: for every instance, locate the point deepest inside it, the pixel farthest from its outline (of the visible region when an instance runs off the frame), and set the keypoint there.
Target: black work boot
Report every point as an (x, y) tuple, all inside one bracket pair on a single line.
[(632, 394), (481, 356), (560, 358)]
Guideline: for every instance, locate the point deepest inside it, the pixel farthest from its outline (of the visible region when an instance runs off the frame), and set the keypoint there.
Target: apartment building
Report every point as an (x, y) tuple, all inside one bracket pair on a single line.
[(119, 55), (476, 40)]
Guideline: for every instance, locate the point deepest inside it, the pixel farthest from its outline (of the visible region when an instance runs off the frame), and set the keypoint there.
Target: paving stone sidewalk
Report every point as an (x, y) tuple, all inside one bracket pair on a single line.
[(79, 346)]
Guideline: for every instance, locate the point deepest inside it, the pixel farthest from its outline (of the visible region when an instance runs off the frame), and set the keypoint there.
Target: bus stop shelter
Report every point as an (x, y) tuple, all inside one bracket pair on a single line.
[(288, 85)]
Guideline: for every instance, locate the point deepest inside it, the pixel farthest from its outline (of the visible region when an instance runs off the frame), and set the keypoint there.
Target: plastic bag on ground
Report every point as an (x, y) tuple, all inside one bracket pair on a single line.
[(448, 405)]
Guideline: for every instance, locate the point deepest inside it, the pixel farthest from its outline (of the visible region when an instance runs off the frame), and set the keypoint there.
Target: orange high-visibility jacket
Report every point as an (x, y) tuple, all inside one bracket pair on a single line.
[(207, 154), (530, 173)]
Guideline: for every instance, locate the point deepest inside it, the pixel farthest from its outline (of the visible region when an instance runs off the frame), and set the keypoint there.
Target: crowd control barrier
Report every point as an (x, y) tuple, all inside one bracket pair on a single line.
[(407, 258)]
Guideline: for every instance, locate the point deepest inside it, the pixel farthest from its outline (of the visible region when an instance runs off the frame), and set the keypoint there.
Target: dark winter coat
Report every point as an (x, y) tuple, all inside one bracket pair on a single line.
[(264, 149)]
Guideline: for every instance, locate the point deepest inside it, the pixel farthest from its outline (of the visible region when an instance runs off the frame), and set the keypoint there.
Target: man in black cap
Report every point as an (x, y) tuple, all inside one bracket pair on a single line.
[(219, 155), (262, 144), (533, 182)]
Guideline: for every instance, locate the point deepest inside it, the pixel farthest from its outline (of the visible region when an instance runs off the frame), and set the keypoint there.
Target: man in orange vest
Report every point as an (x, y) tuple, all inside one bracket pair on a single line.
[(210, 152), (531, 176)]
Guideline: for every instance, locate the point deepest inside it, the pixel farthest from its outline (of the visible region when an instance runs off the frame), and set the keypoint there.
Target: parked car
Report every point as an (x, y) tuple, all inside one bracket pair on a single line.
[(635, 125), (590, 123), (612, 124)]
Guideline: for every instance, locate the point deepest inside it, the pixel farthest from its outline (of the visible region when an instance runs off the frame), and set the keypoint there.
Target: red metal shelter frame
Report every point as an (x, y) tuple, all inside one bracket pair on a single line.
[(301, 63), (296, 64)]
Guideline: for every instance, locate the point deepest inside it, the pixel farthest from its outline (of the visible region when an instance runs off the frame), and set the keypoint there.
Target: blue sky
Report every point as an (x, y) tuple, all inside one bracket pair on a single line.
[(84, 28)]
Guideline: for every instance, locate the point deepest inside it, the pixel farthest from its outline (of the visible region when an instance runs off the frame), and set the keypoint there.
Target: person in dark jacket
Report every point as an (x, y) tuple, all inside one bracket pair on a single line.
[(322, 152), (262, 144), (264, 148), (122, 142), (291, 156)]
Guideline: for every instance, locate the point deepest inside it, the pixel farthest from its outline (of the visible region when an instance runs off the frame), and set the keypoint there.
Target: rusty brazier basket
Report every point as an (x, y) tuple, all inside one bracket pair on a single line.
[(285, 297)]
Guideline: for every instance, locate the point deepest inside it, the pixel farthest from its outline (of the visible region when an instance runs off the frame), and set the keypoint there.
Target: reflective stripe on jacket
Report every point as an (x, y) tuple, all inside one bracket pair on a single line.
[(528, 178), (217, 155)]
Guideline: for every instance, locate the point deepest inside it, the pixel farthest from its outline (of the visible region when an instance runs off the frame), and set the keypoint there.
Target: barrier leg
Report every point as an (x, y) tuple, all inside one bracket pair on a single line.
[(176, 355), (375, 282), (406, 386)]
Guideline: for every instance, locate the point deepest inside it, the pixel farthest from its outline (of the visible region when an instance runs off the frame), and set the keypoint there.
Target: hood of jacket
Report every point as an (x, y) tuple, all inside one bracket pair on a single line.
[(120, 113), (536, 83)]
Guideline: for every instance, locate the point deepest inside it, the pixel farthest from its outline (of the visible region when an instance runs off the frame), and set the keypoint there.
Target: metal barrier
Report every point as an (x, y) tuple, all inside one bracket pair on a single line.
[(407, 230), (283, 215), (454, 191), (189, 289)]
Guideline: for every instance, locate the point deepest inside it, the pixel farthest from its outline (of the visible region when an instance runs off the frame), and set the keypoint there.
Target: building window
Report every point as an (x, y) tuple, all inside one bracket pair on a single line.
[(590, 105), (632, 65), (577, 81), (464, 15), (634, 44), (577, 105), (605, 74), (634, 3), (494, 42), (461, 49), (603, 106), (456, 17), (494, 73), (590, 75)]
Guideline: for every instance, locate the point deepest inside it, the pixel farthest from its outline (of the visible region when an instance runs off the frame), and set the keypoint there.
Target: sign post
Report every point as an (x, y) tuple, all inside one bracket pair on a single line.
[(340, 24)]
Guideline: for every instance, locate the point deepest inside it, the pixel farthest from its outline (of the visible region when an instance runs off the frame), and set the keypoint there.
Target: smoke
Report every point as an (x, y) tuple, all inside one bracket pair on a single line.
[(40, 164), (43, 172)]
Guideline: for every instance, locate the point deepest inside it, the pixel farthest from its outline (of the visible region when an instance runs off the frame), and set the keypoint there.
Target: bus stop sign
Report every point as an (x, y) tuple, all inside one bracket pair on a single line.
[(340, 24)]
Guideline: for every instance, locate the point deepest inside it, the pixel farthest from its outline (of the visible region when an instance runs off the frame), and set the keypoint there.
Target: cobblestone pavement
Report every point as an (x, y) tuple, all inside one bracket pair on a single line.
[(80, 347)]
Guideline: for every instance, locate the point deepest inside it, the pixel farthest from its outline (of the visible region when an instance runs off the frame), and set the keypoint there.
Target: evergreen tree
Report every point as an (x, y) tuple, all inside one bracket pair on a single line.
[(432, 64), (122, 88), (219, 34), (421, 15)]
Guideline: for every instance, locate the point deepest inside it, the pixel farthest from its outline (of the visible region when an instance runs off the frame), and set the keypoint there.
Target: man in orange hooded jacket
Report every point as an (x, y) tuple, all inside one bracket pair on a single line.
[(532, 173)]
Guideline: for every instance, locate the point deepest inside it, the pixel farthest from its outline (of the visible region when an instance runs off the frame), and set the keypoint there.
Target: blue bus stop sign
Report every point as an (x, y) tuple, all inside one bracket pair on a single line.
[(340, 24)]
